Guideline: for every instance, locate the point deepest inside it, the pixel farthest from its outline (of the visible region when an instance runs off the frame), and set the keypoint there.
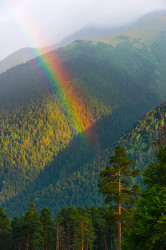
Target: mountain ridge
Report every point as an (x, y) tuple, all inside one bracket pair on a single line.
[(146, 29), (85, 180), (87, 33), (41, 146)]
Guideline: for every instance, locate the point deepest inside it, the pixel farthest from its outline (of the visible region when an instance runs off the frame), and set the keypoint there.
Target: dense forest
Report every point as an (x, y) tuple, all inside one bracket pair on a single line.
[(83, 145), (143, 225), (73, 228), (48, 148), (81, 187)]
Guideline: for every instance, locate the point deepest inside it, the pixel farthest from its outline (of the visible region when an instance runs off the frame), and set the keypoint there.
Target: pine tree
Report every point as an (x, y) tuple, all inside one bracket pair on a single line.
[(148, 229), (116, 188), (48, 226), (16, 234), (5, 230), (84, 230), (74, 229), (60, 235), (33, 229)]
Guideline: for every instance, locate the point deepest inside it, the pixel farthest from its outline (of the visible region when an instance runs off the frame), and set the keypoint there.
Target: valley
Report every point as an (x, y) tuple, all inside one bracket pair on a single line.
[(49, 139)]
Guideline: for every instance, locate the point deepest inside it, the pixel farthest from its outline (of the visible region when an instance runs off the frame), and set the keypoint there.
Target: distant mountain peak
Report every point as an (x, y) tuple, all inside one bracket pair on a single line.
[(147, 29)]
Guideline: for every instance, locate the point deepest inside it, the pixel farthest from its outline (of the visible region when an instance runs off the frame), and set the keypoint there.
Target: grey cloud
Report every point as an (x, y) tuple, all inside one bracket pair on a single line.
[(56, 19)]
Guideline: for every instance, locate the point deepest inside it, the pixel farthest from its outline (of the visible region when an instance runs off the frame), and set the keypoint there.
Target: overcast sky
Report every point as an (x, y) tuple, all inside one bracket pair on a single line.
[(31, 23)]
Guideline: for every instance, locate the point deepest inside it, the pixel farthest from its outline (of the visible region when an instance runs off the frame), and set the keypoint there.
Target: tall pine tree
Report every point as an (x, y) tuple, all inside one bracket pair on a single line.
[(32, 229), (5, 230), (115, 186), (48, 226)]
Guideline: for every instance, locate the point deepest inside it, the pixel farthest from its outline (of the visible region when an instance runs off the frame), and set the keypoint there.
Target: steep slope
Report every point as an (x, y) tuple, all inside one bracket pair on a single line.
[(22, 56), (45, 141), (81, 187), (16, 58), (148, 37)]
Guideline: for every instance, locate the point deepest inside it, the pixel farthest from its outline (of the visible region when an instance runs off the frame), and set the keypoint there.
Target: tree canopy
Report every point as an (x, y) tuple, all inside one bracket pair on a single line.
[(115, 186), (148, 230)]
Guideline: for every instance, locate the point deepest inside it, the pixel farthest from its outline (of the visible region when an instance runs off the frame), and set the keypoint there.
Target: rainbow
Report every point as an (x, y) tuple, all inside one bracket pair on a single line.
[(57, 76), (54, 73)]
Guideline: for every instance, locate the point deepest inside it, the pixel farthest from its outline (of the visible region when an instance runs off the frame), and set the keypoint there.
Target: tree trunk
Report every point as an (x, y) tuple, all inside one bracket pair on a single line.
[(119, 215), (28, 241), (119, 228), (46, 236), (68, 232), (82, 240), (57, 238)]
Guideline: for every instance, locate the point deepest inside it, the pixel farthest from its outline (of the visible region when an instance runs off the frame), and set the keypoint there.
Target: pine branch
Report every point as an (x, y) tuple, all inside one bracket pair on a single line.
[(125, 210)]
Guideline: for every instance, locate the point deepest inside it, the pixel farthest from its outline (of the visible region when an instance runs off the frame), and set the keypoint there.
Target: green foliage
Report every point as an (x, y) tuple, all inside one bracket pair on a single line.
[(115, 185), (149, 223), (31, 228), (138, 141), (5, 230), (44, 156), (78, 178), (48, 228), (103, 232), (17, 236), (79, 228), (149, 219), (116, 188), (115, 86), (73, 228), (155, 174)]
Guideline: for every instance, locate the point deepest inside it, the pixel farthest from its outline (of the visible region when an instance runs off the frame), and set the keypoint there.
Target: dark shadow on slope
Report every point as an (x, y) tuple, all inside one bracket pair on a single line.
[(79, 152)]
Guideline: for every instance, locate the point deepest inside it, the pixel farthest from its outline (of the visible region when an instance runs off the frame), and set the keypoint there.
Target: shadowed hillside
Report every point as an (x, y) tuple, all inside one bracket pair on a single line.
[(42, 152)]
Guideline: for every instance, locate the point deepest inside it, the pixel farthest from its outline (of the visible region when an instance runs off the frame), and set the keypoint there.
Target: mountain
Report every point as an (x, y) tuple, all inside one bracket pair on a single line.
[(80, 188), (91, 33), (21, 56), (147, 30), (97, 33), (152, 15), (25, 54), (54, 120), (18, 57), (87, 33)]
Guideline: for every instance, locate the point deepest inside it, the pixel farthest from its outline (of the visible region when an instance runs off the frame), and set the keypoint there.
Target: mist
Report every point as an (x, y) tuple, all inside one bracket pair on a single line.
[(41, 23)]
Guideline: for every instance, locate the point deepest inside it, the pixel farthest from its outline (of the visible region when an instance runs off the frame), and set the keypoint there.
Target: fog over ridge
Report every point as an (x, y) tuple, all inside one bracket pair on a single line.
[(54, 19)]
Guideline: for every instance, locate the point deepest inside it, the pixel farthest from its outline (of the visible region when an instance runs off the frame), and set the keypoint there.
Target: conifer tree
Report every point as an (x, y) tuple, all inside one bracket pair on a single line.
[(148, 229), (5, 230), (60, 235), (33, 229), (48, 226), (79, 230), (16, 233), (115, 186)]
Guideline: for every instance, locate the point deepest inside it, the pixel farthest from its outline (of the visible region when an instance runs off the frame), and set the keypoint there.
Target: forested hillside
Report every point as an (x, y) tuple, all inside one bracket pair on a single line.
[(81, 187), (44, 149)]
